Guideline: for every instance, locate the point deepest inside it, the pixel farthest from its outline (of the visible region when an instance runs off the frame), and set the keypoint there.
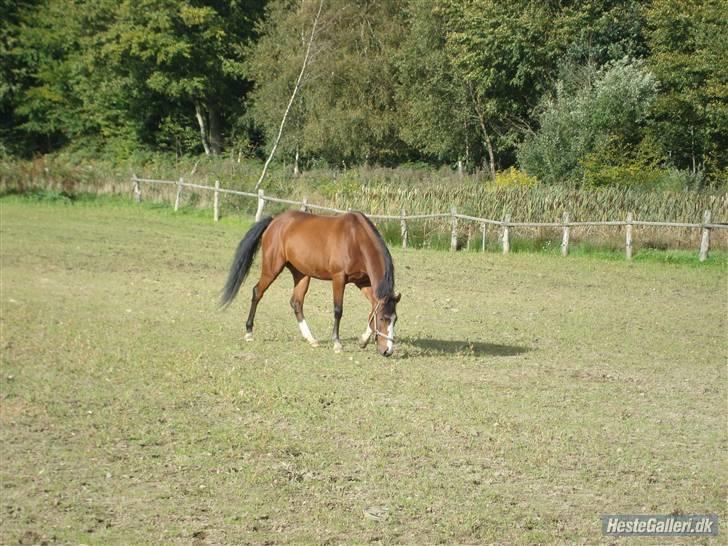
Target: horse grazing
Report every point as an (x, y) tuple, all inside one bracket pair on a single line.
[(341, 249)]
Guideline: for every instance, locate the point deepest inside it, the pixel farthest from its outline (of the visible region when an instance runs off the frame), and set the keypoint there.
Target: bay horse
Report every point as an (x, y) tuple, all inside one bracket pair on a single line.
[(342, 249)]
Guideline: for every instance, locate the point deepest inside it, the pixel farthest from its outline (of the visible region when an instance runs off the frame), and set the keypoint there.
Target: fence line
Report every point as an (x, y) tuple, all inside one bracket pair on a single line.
[(505, 224)]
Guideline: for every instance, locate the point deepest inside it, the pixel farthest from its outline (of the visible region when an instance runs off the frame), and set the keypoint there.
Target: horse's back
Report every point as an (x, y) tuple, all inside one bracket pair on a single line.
[(318, 246)]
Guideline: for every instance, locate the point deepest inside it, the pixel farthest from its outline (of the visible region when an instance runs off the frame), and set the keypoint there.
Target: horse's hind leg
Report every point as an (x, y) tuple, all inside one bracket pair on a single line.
[(339, 284), (300, 287), (269, 272)]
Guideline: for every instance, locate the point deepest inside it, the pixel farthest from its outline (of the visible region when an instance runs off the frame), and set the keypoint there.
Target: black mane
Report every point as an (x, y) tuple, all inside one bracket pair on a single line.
[(386, 285)]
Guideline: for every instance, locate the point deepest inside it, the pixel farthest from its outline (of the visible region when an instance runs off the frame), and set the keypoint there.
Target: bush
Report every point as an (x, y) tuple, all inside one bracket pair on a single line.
[(513, 178), (605, 109)]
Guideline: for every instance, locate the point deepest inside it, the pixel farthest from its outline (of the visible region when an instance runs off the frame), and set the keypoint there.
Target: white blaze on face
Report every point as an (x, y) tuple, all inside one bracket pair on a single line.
[(390, 335), (305, 332)]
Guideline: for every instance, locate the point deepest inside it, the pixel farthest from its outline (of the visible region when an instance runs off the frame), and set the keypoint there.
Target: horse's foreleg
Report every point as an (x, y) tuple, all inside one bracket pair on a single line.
[(339, 283), (300, 287), (366, 336)]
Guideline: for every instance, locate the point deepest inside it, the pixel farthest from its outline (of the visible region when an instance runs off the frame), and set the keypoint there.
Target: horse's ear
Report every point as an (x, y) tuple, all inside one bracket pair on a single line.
[(397, 297)]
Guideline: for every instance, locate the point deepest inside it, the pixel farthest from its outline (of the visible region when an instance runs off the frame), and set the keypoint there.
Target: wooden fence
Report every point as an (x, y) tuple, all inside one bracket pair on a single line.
[(505, 224)]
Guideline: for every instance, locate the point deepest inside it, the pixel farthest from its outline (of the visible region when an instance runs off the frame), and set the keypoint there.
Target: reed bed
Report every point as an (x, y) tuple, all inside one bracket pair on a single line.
[(379, 190)]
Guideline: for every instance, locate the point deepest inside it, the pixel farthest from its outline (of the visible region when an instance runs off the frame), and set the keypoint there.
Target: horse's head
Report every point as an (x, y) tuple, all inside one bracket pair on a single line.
[(382, 320)]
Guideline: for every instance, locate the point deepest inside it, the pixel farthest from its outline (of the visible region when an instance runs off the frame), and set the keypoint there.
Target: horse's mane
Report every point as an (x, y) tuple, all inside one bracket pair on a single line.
[(386, 285)]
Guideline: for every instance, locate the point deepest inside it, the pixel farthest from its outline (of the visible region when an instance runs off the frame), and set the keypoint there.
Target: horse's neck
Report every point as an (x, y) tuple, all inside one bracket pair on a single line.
[(374, 263), (372, 254)]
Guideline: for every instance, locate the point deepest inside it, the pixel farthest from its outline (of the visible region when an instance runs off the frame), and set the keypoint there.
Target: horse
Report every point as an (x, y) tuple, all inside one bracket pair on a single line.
[(344, 249)]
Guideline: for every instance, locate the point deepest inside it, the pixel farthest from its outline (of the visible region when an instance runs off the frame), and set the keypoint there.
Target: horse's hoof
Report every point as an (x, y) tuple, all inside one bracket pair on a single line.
[(313, 343), (363, 343), (249, 336), (338, 348)]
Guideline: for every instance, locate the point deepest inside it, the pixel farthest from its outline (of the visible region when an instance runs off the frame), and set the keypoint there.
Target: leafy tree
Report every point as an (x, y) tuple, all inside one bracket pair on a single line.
[(689, 57), (503, 52), (347, 106), (121, 72), (596, 32), (605, 115), (180, 54), (436, 116), (41, 66)]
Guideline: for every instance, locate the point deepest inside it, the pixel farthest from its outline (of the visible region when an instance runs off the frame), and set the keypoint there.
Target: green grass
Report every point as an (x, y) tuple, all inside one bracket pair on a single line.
[(528, 394)]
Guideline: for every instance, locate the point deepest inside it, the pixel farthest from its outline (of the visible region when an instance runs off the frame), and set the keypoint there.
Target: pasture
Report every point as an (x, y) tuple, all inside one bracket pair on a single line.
[(528, 394)]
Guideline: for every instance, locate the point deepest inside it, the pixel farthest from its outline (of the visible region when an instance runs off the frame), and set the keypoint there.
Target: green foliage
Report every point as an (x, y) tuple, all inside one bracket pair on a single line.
[(689, 52), (600, 31), (502, 52), (346, 105), (599, 115), (571, 92), (627, 174), (435, 112), (512, 177), (126, 73)]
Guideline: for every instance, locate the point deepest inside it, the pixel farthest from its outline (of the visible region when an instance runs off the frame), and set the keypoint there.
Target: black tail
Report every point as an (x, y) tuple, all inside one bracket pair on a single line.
[(244, 255)]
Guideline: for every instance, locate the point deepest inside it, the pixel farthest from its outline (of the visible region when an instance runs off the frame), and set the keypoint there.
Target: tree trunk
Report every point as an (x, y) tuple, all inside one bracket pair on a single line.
[(203, 128), (215, 130), (491, 155), (486, 137), (293, 96), (296, 170)]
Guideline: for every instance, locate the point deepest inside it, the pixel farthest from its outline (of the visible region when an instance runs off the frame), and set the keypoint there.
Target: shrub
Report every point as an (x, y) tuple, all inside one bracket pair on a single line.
[(513, 178), (604, 109)]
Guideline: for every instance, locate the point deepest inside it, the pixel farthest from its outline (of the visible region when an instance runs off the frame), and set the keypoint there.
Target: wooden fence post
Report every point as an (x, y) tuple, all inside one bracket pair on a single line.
[(216, 202), (454, 230), (261, 204), (403, 229), (137, 189), (484, 231), (565, 236), (628, 236), (705, 238), (506, 234), (304, 205), (179, 192)]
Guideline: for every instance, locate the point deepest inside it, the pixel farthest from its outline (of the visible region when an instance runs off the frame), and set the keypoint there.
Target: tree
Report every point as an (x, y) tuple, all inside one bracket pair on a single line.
[(435, 114), (689, 57), (183, 54), (604, 115), (41, 59), (118, 73), (503, 52), (595, 32), (346, 111)]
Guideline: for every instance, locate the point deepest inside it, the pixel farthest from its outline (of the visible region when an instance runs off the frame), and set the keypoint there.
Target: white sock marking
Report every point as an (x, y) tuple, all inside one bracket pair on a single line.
[(305, 332), (366, 335)]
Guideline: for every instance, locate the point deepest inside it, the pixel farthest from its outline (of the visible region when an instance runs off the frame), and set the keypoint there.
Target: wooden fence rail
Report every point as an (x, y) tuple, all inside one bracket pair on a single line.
[(504, 224)]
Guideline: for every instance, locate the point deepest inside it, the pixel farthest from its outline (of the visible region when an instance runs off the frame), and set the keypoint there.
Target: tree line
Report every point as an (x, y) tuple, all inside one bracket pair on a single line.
[(596, 92)]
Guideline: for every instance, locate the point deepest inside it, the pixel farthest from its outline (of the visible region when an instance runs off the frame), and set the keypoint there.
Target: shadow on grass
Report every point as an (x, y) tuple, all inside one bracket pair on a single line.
[(461, 347)]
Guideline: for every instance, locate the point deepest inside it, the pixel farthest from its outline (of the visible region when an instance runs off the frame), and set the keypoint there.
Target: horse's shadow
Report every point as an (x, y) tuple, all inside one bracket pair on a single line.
[(463, 347)]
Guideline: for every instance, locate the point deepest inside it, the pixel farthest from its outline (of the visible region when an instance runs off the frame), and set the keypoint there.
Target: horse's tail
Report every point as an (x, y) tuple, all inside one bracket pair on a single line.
[(244, 255)]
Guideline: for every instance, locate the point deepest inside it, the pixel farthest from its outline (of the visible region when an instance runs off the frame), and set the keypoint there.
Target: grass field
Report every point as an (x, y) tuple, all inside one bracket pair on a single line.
[(527, 396)]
